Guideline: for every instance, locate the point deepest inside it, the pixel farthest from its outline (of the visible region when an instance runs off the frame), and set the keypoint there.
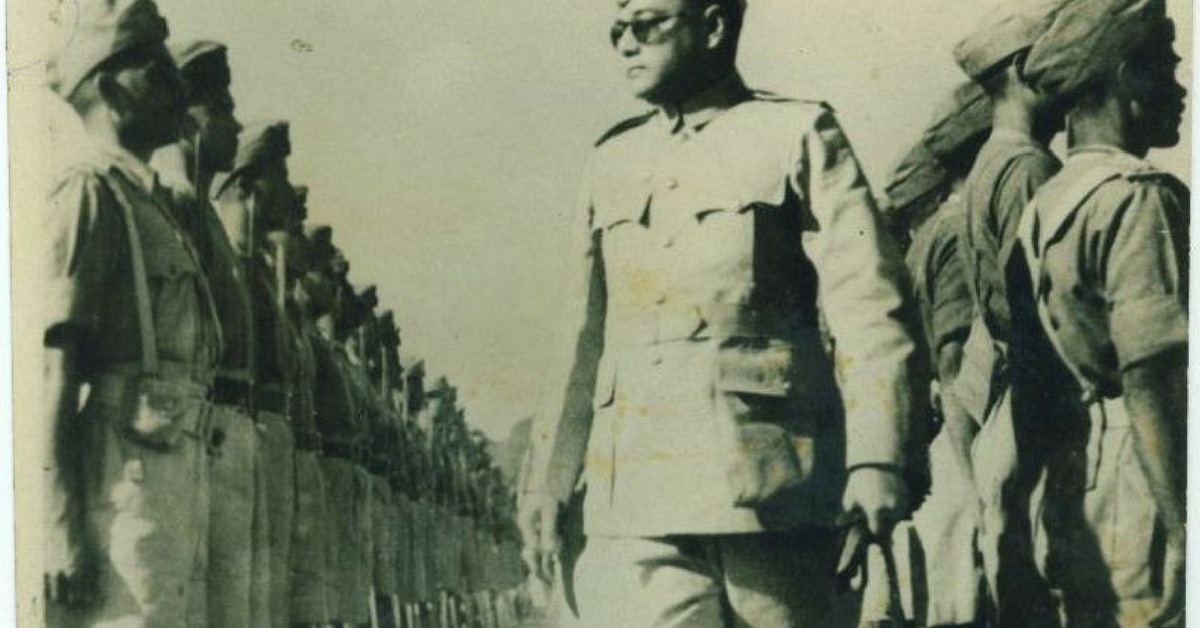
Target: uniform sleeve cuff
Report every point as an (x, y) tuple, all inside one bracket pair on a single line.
[(1148, 327)]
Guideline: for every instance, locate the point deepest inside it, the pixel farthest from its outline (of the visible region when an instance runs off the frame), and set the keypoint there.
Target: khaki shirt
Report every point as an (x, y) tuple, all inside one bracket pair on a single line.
[(730, 246), (90, 287), (935, 261), (1008, 170), (223, 268), (1106, 243)]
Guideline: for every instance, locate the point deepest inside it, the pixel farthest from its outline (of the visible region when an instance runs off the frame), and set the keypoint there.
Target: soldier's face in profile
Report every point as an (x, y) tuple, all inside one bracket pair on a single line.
[(1156, 94), (218, 129), (659, 42)]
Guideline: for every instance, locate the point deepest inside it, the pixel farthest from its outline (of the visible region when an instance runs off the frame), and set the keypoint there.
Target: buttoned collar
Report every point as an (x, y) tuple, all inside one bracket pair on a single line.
[(702, 108)]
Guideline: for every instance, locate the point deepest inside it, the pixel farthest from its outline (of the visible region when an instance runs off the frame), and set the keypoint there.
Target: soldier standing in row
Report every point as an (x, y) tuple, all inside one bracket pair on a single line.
[(128, 313), (1010, 167), (924, 201), (254, 203), (1106, 242), (188, 168), (721, 440), (308, 591)]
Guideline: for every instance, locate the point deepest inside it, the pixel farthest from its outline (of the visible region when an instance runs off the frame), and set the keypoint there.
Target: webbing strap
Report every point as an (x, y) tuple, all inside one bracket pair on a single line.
[(141, 286)]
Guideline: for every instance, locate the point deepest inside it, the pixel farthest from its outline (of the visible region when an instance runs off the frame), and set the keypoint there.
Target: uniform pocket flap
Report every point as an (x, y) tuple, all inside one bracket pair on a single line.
[(761, 366)]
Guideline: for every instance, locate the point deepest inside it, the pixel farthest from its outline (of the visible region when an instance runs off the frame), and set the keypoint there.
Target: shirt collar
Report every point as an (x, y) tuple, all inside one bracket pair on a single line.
[(1006, 134), (171, 165), (702, 108), (136, 170)]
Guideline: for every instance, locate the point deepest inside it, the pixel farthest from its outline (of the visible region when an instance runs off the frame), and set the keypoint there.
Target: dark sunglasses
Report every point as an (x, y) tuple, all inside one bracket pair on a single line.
[(646, 30)]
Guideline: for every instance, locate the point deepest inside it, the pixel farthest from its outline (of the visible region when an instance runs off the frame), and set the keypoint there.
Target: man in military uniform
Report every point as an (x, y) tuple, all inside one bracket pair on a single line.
[(718, 453), (924, 198), (187, 168), (1010, 167), (308, 591), (128, 314), (254, 202), (1106, 246)]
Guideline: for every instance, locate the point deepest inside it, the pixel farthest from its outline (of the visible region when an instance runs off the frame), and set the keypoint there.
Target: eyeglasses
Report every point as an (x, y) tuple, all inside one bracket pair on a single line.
[(646, 30)]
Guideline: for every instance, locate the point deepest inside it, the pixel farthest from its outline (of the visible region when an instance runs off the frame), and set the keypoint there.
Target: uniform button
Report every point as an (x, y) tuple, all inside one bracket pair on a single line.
[(669, 243), (672, 184)]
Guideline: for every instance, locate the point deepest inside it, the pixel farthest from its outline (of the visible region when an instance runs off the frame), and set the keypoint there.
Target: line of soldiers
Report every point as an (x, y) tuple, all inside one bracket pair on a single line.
[(1054, 307), (232, 438), (690, 474)]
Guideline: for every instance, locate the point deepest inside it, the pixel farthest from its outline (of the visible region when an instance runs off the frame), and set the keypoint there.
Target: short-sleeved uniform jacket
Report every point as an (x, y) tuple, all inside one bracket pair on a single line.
[(90, 288), (935, 263), (729, 249), (1107, 247), (1008, 171)]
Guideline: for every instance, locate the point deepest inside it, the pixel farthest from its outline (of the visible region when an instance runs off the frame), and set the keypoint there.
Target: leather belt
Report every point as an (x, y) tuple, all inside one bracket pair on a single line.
[(345, 451), (271, 398), (230, 392)]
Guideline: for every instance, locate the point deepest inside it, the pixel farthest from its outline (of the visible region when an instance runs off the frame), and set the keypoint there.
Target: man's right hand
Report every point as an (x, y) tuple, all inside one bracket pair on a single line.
[(74, 583)]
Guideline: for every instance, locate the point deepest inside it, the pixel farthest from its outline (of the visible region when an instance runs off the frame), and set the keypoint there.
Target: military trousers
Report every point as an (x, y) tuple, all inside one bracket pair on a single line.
[(277, 457), (308, 594), (147, 507), (402, 541), (1101, 541), (776, 579), (422, 550), (238, 483), (346, 524), (382, 543)]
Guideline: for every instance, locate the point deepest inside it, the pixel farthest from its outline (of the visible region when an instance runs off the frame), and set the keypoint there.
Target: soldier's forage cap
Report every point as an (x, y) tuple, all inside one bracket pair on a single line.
[(1010, 27), (320, 245), (259, 144), (964, 117), (369, 297), (918, 174), (102, 30), (203, 64), (1090, 38)]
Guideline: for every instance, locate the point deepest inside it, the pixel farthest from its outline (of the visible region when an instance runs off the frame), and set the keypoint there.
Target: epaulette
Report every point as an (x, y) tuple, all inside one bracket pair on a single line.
[(766, 96), (624, 126), (1146, 171)]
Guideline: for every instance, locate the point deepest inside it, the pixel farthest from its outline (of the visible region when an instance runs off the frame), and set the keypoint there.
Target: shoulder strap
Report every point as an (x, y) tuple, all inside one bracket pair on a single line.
[(141, 286), (1049, 226)]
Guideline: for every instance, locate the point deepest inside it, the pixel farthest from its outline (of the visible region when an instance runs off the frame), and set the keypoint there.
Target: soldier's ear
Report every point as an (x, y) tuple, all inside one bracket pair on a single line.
[(716, 27)]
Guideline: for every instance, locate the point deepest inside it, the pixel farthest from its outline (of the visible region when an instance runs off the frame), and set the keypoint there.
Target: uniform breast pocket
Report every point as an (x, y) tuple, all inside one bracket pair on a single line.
[(172, 277)]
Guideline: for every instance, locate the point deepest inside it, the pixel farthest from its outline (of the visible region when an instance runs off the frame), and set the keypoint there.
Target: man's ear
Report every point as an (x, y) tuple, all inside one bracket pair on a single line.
[(1128, 82), (716, 26)]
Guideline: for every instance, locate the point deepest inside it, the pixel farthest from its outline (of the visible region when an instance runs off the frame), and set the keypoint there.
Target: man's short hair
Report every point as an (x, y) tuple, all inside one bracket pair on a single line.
[(734, 12)]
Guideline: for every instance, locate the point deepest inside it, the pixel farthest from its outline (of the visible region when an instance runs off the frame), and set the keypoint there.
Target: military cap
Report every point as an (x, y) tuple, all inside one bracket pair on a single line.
[(320, 245), (102, 30), (918, 174), (1092, 37), (964, 117), (203, 64), (259, 144), (369, 297), (1010, 27)]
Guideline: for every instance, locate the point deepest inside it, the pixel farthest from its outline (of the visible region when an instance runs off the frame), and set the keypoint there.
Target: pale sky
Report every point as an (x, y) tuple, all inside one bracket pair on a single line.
[(443, 139)]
